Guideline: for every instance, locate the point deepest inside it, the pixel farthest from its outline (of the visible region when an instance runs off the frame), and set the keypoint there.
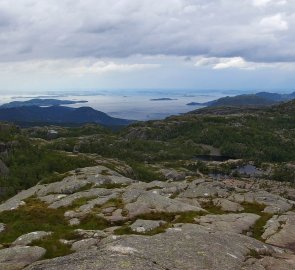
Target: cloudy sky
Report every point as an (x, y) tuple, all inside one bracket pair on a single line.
[(193, 44)]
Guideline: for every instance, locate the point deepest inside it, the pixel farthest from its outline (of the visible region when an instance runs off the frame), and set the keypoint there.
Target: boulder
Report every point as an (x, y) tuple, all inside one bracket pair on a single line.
[(15, 258), (85, 244), (171, 174), (227, 205), (28, 238), (280, 231), (143, 226)]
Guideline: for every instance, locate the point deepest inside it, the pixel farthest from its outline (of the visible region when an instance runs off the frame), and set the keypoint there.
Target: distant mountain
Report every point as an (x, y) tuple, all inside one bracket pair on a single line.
[(40, 102), (259, 99), (59, 115)]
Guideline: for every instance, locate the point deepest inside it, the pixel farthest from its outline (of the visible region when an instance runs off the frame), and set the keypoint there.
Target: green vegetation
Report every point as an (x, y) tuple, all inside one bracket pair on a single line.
[(259, 135), (35, 216), (284, 173), (257, 209), (30, 164)]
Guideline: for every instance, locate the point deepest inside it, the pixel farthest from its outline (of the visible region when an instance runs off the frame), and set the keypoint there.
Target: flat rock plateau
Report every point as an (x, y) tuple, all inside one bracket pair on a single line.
[(101, 219)]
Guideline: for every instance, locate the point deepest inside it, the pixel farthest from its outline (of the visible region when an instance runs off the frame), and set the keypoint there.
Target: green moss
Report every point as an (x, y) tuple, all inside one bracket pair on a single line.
[(258, 228), (36, 216), (211, 208), (112, 185), (54, 248), (254, 254), (79, 202), (93, 222)]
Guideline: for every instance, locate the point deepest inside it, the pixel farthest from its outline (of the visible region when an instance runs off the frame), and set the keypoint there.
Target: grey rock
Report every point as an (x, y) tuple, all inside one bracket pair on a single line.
[(18, 257), (91, 233), (280, 231), (171, 174), (18, 200), (85, 244), (149, 202), (143, 226), (94, 192), (49, 199), (74, 222), (102, 175), (67, 186), (189, 247), (206, 189), (28, 238), (2, 227), (275, 204), (238, 223), (227, 205)]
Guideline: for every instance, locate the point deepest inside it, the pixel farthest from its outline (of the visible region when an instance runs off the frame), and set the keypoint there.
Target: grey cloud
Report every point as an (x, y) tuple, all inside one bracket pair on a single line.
[(111, 28)]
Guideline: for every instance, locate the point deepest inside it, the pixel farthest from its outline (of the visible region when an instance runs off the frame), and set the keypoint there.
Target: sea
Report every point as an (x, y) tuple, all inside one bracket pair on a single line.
[(138, 104)]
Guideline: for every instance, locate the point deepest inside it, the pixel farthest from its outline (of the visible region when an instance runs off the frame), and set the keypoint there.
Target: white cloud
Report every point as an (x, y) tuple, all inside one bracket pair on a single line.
[(261, 2), (230, 62), (76, 67), (258, 31), (274, 23)]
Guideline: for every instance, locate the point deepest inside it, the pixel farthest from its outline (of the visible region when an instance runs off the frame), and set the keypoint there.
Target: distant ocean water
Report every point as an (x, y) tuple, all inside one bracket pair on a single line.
[(131, 104)]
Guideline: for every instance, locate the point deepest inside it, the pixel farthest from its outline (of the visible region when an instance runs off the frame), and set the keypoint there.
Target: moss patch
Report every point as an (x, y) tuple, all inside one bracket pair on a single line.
[(36, 216), (258, 228)]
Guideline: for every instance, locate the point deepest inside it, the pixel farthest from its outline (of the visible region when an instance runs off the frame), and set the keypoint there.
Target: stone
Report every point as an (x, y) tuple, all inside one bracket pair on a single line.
[(238, 223), (227, 205), (91, 233), (280, 231), (171, 174), (18, 200), (188, 247), (85, 244), (16, 258), (275, 204), (74, 222), (149, 202), (2, 227), (206, 189), (28, 238), (143, 226)]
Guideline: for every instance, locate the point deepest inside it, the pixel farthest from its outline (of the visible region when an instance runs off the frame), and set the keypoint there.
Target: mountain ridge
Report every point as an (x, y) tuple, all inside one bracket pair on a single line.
[(59, 114)]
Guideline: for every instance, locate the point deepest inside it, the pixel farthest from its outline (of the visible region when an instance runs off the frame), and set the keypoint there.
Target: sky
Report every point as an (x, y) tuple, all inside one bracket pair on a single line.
[(147, 44)]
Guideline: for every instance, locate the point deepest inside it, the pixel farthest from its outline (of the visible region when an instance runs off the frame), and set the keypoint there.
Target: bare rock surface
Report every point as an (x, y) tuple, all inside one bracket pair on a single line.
[(206, 189), (28, 238), (227, 205), (237, 223), (275, 204), (280, 231), (143, 226), (149, 202), (206, 222), (16, 258), (188, 247)]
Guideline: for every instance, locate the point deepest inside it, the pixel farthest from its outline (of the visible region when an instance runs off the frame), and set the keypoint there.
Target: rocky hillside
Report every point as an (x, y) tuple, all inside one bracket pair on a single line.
[(96, 218), (212, 189)]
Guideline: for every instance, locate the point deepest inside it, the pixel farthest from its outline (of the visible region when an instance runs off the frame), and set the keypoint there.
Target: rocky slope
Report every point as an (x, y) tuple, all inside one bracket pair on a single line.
[(96, 218)]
